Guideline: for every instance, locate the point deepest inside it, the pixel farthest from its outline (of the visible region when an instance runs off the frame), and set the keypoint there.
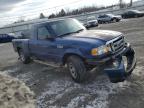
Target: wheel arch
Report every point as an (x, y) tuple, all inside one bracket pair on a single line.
[(65, 57), (113, 18)]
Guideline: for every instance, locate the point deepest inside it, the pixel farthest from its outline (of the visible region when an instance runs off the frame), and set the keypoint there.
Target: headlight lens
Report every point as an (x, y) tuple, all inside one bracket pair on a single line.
[(100, 50)]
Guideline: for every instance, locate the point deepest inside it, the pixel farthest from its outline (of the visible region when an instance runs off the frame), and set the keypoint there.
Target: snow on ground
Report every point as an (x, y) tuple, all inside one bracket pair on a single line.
[(65, 93), (14, 93), (100, 89), (1, 45)]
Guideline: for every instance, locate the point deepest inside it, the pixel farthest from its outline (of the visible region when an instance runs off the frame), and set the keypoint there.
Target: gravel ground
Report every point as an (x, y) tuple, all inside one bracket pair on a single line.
[(55, 89)]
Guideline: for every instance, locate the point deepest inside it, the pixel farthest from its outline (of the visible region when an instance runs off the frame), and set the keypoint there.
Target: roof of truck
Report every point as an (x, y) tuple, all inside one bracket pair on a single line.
[(52, 20)]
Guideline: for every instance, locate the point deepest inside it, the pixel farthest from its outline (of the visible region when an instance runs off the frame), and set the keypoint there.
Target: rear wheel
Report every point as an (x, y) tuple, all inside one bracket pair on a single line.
[(23, 57), (123, 16), (77, 69), (117, 20)]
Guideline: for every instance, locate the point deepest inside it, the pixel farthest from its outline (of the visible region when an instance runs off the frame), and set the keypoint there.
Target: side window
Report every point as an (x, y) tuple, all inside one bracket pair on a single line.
[(43, 33), (101, 16), (130, 12), (105, 16), (125, 12)]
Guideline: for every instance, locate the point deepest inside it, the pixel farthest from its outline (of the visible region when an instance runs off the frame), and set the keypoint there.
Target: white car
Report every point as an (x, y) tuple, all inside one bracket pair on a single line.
[(91, 22)]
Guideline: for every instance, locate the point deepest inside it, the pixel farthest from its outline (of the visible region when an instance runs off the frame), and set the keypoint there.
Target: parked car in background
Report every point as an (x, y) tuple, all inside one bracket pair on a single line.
[(91, 22), (22, 34), (132, 14), (6, 38), (107, 18)]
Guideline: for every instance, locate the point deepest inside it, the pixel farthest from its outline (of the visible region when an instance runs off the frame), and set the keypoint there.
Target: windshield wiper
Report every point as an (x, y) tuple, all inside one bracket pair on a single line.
[(66, 34), (79, 30), (70, 33)]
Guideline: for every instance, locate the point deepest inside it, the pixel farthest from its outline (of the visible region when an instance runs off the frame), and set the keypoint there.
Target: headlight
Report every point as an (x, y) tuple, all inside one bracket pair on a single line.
[(100, 50)]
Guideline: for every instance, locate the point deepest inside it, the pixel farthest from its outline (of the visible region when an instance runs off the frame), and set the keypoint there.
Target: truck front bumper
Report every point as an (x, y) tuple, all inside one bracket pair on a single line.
[(119, 72), (114, 66)]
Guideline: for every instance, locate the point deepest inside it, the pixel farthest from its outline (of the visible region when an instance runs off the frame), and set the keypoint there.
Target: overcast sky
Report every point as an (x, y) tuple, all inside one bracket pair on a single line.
[(14, 9)]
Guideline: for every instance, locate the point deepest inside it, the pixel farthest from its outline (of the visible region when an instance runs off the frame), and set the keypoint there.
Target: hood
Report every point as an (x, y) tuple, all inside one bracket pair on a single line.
[(142, 12), (94, 36), (89, 21), (118, 16), (104, 35)]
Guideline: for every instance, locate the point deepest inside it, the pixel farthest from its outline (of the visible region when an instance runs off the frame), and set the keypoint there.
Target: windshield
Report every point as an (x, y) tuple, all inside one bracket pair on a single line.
[(110, 14), (91, 18), (68, 26)]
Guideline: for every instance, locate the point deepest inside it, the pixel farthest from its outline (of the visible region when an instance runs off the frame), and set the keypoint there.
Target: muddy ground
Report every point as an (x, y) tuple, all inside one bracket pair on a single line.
[(55, 89)]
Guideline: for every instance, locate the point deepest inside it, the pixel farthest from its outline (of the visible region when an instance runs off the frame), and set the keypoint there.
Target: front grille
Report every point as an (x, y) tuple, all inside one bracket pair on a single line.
[(117, 44)]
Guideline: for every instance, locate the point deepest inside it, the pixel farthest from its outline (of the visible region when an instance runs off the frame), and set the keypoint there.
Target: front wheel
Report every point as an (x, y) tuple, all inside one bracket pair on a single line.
[(77, 69), (100, 22), (136, 16), (114, 20)]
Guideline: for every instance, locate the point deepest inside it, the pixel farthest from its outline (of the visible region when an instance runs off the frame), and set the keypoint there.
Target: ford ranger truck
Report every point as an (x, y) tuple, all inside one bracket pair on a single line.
[(66, 42)]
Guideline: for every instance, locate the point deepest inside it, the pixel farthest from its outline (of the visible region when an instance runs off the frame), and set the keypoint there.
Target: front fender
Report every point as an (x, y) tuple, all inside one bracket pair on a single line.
[(72, 52)]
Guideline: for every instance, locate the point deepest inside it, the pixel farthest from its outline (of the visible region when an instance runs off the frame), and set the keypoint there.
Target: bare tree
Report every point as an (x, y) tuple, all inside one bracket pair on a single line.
[(67, 10), (120, 3), (131, 2), (21, 19), (42, 15)]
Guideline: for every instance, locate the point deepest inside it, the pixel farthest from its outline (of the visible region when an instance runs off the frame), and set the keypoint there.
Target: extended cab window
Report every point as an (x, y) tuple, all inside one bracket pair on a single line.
[(43, 33)]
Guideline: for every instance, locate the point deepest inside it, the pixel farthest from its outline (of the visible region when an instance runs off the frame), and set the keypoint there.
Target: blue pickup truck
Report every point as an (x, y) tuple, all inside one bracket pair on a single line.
[(67, 43)]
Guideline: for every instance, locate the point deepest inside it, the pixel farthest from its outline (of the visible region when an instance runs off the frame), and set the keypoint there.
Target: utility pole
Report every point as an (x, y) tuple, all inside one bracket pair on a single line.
[(120, 3), (131, 3)]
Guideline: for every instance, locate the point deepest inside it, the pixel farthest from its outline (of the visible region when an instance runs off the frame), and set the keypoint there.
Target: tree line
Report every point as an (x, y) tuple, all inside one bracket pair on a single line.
[(67, 12), (83, 10)]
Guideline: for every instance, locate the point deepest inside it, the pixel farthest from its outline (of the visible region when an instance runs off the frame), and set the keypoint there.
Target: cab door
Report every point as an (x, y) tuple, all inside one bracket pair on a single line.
[(45, 45)]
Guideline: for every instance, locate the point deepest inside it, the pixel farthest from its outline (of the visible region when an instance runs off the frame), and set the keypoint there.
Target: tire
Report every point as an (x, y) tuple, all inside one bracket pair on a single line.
[(124, 17), (100, 22), (77, 69), (114, 20), (117, 20), (136, 16), (24, 59)]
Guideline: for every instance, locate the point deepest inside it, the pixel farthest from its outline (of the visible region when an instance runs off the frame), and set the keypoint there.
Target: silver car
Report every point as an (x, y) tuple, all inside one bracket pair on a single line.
[(107, 18), (91, 22)]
